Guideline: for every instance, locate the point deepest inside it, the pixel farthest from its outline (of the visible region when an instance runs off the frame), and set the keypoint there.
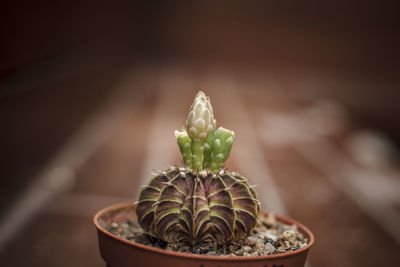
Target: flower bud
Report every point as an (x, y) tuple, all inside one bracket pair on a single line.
[(199, 123)]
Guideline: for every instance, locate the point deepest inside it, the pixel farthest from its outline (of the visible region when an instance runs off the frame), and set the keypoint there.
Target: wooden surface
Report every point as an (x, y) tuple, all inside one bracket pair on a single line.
[(115, 149)]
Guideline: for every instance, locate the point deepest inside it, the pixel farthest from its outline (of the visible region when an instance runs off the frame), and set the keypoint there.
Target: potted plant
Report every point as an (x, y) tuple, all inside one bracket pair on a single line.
[(200, 214)]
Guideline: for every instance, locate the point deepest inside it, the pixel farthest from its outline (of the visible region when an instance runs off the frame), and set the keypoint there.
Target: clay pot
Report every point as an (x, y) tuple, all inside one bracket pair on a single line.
[(118, 252)]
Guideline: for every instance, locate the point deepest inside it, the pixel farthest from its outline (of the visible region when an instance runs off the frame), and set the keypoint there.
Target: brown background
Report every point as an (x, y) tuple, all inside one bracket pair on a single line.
[(65, 63)]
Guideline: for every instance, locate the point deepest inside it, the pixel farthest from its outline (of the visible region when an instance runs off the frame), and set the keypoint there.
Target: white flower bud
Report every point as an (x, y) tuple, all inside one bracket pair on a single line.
[(199, 123)]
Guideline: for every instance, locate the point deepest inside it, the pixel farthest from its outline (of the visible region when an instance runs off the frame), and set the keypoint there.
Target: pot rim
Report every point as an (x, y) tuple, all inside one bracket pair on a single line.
[(196, 256)]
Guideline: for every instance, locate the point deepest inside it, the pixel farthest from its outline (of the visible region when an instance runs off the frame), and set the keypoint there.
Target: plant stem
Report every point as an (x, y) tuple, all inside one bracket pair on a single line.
[(221, 148), (184, 141), (197, 147), (208, 148)]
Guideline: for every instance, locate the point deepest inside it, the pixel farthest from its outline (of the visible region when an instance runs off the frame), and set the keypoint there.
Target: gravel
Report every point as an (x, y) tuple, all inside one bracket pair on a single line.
[(269, 237)]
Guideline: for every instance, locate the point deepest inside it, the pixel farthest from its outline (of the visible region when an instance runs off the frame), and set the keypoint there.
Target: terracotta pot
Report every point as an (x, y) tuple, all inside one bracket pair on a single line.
[(118, 252)]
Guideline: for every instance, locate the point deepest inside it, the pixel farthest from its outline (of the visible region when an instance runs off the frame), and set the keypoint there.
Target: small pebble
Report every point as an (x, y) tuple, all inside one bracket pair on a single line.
[(269, 235), (246, 249), (270, 220), (290, 236), (269, 249), (251, 240)]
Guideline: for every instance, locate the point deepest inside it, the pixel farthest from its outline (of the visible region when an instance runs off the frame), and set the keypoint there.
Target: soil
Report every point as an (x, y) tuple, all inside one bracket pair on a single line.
[(268, 237)]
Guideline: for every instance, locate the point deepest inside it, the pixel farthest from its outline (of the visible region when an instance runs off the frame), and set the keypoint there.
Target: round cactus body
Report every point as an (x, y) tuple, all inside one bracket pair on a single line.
[(180, 205)]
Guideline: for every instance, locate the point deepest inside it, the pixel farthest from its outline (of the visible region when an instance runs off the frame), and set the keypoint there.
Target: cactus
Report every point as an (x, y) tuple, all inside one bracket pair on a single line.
[(201, 202)]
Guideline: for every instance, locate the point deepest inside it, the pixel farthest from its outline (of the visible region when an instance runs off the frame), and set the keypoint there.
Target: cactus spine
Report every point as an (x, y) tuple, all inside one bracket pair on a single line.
[(201, 202)]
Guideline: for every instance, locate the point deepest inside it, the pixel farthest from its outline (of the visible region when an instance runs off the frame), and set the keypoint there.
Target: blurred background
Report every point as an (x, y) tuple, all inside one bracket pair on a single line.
[(91, 92)]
